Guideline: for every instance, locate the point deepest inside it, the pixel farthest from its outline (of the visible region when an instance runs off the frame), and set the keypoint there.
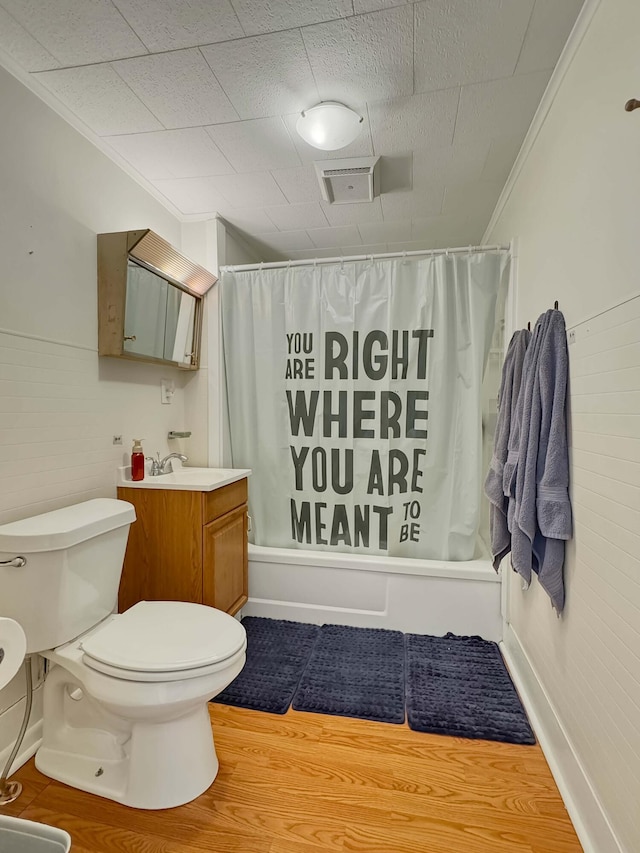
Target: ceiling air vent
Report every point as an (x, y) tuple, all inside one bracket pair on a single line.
[(349, 181)]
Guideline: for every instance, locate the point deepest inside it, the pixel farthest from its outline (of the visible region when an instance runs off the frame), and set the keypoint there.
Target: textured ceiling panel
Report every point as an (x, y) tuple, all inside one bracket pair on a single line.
[(22, 47), (421, 121), (192, 195), (250, 190), (251, 146), (77, 31), (170, 25), (178, 87), (326, 238), (100, 99), (467, 41), (187, 153), (353, 214), (549, 29), (199, 100), (364, 58), (498, 108), (267, 16), (285, 83), (291, 216), (299, 184), (424, 201)]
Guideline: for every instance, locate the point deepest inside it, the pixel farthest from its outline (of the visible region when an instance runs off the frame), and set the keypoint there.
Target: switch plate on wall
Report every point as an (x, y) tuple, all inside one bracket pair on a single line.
[(167, 390)]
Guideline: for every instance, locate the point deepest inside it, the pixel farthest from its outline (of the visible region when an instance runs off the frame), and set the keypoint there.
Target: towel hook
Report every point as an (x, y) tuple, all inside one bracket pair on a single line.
[(555, 305), (529, 326)]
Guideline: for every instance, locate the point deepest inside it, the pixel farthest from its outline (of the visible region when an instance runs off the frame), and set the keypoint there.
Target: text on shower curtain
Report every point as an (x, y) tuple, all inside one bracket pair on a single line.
[(336, 416)]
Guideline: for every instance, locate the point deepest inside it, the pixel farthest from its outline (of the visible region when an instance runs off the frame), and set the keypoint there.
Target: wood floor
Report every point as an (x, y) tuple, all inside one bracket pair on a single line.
[(305, 783)]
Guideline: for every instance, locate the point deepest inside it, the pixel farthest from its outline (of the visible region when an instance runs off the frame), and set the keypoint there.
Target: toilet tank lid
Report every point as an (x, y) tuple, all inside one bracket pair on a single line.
[(63, 528)]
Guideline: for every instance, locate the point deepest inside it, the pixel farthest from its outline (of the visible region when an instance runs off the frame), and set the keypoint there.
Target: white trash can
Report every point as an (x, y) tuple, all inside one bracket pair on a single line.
[(27, 836)]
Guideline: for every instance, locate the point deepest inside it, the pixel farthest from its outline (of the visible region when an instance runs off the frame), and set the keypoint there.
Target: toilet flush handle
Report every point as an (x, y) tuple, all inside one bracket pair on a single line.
[(14, 562)]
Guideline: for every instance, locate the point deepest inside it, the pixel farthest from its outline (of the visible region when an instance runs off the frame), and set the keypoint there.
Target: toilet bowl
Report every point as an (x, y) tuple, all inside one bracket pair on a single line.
[(125, 704), (125, 695)]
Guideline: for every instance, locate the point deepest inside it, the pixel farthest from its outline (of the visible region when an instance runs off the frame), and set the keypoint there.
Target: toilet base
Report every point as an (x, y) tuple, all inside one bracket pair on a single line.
[(161, 765)]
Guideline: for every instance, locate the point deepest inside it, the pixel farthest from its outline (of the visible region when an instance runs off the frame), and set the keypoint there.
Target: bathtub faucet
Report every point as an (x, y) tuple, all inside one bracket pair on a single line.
[(159, 466)]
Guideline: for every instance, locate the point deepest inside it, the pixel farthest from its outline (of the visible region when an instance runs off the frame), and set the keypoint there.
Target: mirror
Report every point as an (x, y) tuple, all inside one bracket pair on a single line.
[(158, 317), (149, 300)]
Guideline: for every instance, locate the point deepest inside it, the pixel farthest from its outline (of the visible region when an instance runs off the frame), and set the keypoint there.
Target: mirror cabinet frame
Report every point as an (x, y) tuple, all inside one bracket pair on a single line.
[(152, 252)]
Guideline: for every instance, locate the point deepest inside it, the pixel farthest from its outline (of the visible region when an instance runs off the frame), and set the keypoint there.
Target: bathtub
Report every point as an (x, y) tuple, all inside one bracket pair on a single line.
[(418, 596)]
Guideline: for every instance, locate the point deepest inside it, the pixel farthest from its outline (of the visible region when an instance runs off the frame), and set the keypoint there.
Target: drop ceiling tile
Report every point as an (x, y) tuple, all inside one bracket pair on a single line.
[(283, 84), (366, 249), (440, 231), (178, 87), (360, 147), (284, 241), (310, 254), (288, 217), (192, 195), (299, 183), (498, 108), (548, 31), (327, 238), (187, 153), (16, 42), (409, 246), (396, 173), (254, 145), (75, 31), (249, 219), (467, 41), (369, 57), (100, 99), (420, 121), (501, 157), (361, 7), (423, 201), (478, 197), (353, 214), (167, 25), (266, 16), (249, 190), (453, 164), (385, 232)]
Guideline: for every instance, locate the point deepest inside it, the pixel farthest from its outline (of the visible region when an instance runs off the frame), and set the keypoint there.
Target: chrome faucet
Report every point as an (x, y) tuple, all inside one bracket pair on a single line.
[(159, 466)]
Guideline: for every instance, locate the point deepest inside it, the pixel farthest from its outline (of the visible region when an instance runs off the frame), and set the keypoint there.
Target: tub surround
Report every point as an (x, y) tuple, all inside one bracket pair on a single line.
[(413, 596)]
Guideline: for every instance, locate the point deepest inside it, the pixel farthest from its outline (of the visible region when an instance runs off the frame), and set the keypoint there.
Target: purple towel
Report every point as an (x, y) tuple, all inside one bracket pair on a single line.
[(539, 480), (493, 486)]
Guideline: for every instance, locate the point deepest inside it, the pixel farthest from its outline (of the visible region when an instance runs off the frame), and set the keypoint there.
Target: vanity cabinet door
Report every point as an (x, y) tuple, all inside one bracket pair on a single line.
[(225, 555)]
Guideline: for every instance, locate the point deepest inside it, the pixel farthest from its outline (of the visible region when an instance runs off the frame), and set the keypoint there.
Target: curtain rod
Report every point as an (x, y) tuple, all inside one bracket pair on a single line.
[(273, 265)]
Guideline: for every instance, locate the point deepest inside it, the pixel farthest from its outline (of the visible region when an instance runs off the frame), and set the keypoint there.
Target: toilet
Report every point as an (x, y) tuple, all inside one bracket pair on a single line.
[(125, 697)]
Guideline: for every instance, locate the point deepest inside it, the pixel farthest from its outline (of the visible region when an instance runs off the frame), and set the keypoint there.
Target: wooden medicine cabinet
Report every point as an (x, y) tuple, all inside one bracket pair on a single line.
[(149, 300)]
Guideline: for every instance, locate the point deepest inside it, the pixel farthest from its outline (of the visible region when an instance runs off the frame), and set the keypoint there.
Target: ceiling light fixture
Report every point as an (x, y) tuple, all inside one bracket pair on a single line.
[(329, 125)]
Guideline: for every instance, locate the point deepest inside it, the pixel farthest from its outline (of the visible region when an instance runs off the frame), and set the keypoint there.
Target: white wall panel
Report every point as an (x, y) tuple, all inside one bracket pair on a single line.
[(572, 204)]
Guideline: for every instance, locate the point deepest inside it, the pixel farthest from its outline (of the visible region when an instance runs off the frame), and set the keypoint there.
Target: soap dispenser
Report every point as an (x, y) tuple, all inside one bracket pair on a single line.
[(137, 460)]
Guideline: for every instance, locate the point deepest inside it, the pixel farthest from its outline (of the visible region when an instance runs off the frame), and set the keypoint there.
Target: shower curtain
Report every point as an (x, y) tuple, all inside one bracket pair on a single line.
[(354, 395)]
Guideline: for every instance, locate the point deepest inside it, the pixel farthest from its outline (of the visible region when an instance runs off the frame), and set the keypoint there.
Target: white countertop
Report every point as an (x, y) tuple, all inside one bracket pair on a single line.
[(184, 479)]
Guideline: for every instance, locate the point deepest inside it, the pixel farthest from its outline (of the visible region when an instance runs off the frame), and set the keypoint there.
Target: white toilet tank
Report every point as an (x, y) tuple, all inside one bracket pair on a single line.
[(70, 580)]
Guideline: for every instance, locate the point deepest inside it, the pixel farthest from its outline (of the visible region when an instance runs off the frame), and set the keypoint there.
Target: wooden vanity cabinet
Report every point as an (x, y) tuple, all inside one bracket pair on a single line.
[(187, 546)]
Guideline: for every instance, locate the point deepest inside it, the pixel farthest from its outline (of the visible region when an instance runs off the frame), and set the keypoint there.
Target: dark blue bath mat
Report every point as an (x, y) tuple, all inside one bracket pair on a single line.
[(355, 672), (277, 652), (460, 686)]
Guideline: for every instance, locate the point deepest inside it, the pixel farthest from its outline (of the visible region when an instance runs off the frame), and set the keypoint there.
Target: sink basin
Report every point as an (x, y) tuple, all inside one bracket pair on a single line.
[(185, 479)]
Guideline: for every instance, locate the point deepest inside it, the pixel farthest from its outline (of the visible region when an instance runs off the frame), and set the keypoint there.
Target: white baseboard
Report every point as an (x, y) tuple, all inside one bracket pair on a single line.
[(10, 722), (585, 810)]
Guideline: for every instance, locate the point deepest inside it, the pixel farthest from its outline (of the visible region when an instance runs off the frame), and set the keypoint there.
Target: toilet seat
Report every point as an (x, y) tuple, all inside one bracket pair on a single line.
[(163, 641)]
